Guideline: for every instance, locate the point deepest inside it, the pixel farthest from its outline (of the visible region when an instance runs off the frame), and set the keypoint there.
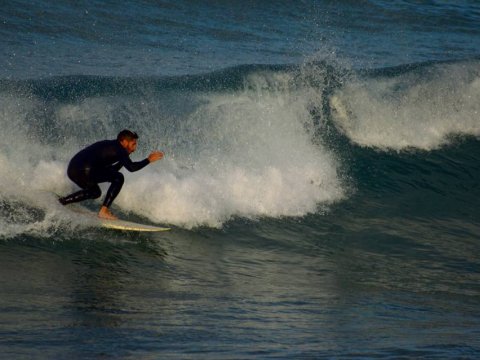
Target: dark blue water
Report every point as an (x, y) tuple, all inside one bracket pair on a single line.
[(320, 177)]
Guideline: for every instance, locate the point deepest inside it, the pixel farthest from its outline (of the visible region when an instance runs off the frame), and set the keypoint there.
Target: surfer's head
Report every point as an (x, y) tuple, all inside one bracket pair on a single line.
[(128, 140)]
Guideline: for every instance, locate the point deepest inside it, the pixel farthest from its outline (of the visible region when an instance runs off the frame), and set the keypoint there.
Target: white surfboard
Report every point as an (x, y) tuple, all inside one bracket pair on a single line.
[(114, 224), (129, 225)]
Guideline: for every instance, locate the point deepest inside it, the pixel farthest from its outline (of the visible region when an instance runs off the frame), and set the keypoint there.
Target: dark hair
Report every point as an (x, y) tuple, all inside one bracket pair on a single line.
[(127, 135)]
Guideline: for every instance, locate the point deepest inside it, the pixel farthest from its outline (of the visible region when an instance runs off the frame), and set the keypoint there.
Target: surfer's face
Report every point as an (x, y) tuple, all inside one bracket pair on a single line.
[(129, 145)]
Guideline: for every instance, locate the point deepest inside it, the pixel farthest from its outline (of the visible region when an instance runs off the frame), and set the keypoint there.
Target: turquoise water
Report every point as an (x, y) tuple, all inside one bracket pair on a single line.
[(320, 178)]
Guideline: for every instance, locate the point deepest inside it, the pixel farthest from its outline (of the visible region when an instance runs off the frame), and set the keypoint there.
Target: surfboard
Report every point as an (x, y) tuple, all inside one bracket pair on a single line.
[(118, 224), (130, 226)]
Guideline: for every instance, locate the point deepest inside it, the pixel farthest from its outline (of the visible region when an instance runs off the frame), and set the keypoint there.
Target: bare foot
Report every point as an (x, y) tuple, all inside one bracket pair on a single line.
[(105, 213)]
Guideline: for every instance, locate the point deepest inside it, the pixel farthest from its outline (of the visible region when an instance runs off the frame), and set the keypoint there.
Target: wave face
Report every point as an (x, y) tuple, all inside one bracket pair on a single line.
[(250, 141)]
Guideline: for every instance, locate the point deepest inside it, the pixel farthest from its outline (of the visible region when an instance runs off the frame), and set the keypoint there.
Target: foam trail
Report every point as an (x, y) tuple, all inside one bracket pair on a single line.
[(411, 110)]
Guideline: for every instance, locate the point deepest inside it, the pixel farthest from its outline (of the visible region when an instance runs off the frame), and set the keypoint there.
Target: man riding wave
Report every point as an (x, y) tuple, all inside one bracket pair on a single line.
[(101, 162)]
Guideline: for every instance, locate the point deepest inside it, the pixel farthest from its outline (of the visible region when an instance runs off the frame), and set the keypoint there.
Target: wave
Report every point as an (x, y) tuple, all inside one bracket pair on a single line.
[(251, 141), (236, 144), (421, 106)]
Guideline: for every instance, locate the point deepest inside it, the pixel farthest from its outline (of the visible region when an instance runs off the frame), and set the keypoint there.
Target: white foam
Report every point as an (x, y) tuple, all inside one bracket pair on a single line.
[(406, 111), (254, 157)]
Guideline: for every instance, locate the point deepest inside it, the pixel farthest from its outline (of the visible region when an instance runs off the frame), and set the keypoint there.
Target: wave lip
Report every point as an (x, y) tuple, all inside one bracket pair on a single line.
[(420, 108)]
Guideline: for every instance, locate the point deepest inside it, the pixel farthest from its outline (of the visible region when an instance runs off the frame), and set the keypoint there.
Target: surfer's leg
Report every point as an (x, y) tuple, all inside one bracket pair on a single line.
[(116, 179), (92, 192), (83, 178)]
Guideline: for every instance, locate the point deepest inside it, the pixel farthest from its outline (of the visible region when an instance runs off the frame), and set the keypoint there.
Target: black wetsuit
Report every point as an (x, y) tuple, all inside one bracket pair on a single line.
[(98, 163)]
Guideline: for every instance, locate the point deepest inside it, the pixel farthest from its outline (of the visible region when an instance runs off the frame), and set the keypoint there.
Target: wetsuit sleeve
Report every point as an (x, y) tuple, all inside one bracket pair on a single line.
[(133, 166)]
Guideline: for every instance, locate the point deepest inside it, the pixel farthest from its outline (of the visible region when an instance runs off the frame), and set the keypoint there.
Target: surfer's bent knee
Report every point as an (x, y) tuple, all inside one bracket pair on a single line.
[(95, 193)]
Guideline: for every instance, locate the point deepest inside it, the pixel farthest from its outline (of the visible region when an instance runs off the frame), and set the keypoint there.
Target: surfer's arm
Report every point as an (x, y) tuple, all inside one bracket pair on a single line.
[(133, 166), (138, 165)]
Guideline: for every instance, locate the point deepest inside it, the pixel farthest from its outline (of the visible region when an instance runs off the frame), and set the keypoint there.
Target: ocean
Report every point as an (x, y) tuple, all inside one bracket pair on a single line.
[(321, 179)]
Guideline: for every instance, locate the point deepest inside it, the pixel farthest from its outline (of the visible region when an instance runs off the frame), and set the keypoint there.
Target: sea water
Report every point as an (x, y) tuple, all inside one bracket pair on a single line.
[(321, 178)]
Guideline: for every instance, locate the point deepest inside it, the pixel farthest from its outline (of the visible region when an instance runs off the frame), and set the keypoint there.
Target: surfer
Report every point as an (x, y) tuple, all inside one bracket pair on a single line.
[(101, 162)]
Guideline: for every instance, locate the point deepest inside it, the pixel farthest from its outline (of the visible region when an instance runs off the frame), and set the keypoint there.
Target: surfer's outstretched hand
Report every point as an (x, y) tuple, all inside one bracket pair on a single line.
[(155, 155)]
